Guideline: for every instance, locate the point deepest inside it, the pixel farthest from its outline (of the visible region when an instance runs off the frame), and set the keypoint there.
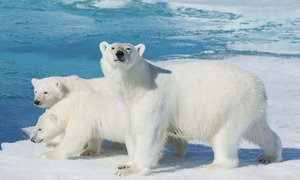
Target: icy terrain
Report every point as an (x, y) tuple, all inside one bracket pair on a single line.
[(20, 160), (61, 37)]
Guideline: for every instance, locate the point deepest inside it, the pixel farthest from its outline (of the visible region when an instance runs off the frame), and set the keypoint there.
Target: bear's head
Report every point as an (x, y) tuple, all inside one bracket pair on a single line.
[(47, 127), (120, 55), (47, 91)]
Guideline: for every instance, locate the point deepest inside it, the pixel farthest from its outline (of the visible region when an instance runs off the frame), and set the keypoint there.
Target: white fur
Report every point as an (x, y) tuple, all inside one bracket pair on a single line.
[(50, 90), (84, 117), (208, 101)]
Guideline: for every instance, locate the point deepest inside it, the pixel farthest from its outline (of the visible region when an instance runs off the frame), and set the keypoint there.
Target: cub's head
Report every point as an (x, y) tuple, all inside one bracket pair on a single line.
[(47, 91), (46, 128), (121, 55)]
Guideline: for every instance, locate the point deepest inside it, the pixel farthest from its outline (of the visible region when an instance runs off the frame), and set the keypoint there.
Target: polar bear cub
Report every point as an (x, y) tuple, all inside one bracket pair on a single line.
[(208, 101), (84, 117), (50, 90)]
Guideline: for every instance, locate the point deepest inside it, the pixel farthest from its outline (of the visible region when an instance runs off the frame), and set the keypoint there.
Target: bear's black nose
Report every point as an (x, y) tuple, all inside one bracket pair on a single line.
[(36, 102), (120, 54), (32, 140)]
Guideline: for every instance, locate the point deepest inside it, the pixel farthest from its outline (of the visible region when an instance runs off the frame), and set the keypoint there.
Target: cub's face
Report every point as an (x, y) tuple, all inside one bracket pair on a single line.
[(46, 128), (47, 92), (121, 55)]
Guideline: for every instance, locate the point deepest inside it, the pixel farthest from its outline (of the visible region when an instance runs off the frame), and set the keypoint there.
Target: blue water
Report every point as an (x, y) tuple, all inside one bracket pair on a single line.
[(55, 37)]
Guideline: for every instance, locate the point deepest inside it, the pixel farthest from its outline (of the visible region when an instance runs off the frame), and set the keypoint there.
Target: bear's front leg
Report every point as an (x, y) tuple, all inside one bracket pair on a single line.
[(55, 142), (147, 129), (123, 115), (148, 149), (130, 146), (73, 142), (93, 149)]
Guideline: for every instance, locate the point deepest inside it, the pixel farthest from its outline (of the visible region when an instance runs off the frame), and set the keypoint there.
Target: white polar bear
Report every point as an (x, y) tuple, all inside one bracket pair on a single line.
[(84, 117), (48, 91), (208, 101)]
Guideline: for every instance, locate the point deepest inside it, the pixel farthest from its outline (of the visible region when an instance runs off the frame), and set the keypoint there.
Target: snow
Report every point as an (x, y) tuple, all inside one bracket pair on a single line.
[(20, 160), (110, 4), (282, 47)]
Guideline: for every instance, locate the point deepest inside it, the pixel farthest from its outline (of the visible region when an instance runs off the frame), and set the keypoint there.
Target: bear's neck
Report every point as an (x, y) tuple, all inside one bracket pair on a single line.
[(132, 82), (60, 109), (71, 83)]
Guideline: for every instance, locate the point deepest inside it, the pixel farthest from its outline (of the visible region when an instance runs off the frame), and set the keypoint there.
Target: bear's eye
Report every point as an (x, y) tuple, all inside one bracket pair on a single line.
[(46, 92), (112, 48), (39, 129), (35, 91), (128, 49)]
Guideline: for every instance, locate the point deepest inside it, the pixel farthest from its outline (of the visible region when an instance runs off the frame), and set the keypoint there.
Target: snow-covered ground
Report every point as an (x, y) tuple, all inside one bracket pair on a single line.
[(20, 160)]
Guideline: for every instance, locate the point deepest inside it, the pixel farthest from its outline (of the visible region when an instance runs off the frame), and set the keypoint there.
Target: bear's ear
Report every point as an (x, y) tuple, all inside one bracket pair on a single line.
[(140, 48), (34, 81), (58, 84), (103, 46), (52, 117)]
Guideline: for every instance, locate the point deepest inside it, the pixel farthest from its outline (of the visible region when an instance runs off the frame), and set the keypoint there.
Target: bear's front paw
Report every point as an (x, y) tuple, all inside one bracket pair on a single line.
[(127, 170), (208, 167), (123, 167), (88, 152), (230, 164), (52, 144), (49, 155)]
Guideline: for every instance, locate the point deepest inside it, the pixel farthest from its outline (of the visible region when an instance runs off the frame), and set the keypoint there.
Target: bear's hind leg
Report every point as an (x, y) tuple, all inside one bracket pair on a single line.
[(268, 140), (179, 144), (225, 147)]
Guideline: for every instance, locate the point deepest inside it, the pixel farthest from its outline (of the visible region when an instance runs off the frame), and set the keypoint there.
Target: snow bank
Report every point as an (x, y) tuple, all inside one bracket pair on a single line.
[(20, 160), (282, 47)]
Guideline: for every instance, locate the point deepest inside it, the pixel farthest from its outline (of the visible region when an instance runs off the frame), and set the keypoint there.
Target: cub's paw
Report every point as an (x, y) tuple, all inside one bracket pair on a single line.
[(88, 152), (50, 155), (124, 167), (208, 167), (47, 155), (132, 170), (126, 171), (52, 144)]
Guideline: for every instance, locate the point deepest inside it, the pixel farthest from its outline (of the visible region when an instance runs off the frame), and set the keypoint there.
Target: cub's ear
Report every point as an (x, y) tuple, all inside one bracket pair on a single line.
[(140, 48), (58, 84), (34, 81), (52, 117), (103, 46)]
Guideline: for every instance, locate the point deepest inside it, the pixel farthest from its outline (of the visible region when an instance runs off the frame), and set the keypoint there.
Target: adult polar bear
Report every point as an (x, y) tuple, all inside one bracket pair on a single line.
[(208, 101)]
